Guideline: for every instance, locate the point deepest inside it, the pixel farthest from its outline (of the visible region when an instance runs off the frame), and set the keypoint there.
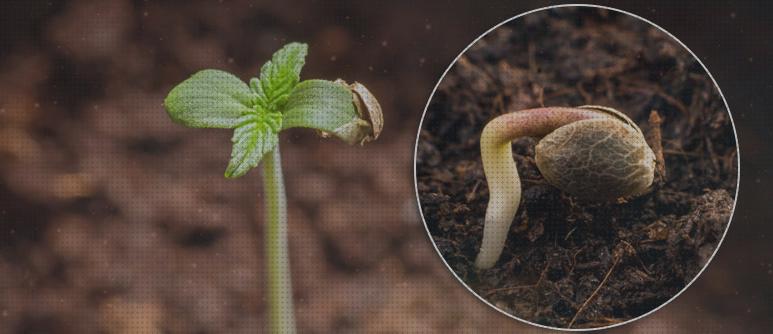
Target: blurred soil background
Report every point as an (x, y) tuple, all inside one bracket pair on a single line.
[(571, 262), (113, 219)]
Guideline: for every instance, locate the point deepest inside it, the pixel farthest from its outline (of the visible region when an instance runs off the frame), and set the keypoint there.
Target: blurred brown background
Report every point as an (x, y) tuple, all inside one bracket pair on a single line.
[(114, 219)]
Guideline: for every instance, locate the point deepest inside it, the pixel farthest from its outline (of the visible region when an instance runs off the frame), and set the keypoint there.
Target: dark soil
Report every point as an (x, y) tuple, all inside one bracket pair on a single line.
[(569, 263)]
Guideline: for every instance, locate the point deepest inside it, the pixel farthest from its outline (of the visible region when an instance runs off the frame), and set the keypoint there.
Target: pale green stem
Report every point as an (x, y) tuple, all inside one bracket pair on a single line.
[(280, 291)]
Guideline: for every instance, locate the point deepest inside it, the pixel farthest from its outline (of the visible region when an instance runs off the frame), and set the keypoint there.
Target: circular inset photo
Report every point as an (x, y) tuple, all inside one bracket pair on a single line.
[(576, 167)]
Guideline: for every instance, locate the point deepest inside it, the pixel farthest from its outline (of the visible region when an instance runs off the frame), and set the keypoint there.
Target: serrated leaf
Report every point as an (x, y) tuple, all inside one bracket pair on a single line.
[(279, 76), (255, 135), (209, 99), (326, 106)]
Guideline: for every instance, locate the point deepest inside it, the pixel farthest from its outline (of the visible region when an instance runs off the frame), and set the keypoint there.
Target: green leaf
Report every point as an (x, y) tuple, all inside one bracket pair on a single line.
[(273, 102), (255, 135), (279, 76), (326, 106), (209, 99)]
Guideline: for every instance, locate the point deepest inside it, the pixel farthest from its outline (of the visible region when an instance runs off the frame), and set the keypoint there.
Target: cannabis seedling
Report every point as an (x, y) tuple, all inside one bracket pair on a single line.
[(592, 152), (275, 101)]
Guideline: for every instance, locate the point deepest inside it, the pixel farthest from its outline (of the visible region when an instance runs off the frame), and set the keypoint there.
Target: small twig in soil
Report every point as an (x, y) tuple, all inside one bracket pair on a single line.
[(655, 140), (471, 195), (595, 292), (570, 233), (574, 260), (678, 152), (603, 322), (574, 257), (712, 154), (632, 251)]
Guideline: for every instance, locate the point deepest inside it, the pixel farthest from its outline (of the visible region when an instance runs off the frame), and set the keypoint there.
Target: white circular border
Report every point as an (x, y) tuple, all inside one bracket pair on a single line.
[(416, 150)]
